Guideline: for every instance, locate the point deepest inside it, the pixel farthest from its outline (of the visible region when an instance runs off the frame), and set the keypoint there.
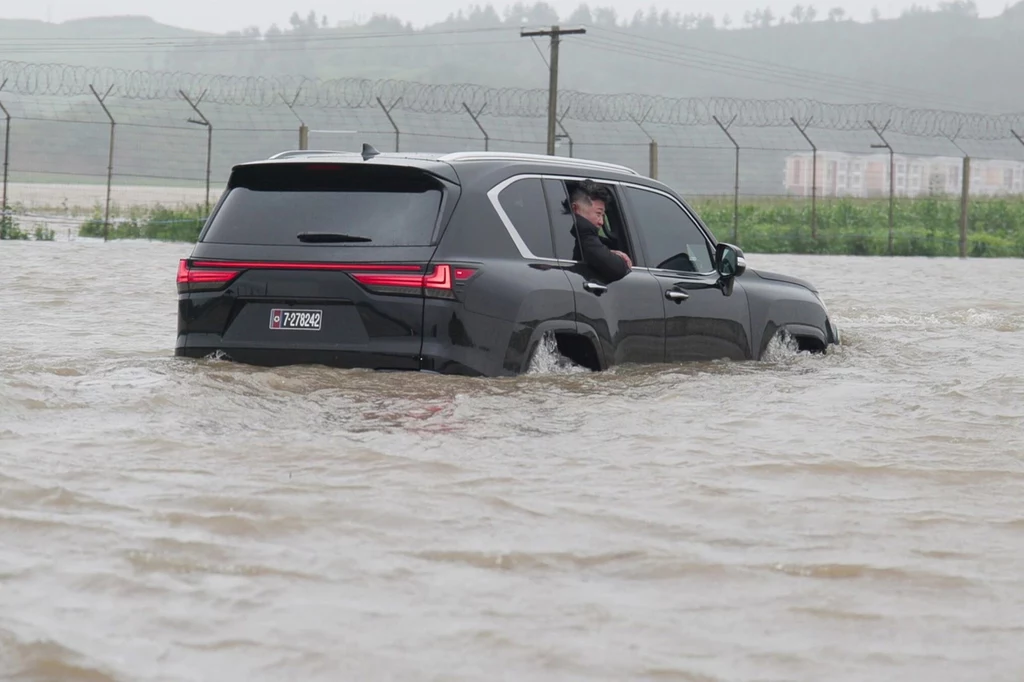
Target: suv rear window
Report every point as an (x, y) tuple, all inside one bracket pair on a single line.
[(273, 204)]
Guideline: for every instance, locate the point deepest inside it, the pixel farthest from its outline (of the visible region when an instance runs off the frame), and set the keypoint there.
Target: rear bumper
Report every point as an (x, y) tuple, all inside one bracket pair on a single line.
[(439, 361), (399, 354), (281, 357), (455, 342)]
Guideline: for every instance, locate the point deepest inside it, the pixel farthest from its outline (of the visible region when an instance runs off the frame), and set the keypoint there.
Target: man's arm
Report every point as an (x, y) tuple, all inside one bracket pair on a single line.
[(603, 260)]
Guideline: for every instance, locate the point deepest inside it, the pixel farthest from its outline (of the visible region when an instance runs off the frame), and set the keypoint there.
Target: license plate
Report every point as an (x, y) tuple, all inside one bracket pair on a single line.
[(296, 319)]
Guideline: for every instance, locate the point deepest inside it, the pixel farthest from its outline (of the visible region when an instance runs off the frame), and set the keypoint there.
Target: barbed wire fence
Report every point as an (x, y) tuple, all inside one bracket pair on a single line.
[(84, 141)]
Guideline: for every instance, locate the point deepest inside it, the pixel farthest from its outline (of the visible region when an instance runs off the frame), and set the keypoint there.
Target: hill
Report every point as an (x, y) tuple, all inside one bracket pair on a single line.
[(936, 59), (90, 42)]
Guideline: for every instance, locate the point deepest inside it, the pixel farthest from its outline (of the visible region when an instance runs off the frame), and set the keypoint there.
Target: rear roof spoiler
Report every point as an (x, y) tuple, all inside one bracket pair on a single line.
[(431, 166)]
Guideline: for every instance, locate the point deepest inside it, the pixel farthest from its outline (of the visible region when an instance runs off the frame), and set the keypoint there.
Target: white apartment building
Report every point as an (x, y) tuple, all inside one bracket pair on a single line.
[(867, 175)]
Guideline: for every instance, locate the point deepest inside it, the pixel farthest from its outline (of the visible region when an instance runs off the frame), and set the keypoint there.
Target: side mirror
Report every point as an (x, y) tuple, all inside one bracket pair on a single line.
[(729, 260)]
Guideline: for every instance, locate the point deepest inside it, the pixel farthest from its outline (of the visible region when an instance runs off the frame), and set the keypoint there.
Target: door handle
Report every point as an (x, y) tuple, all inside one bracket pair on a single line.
[(676, 295), (595, 288)]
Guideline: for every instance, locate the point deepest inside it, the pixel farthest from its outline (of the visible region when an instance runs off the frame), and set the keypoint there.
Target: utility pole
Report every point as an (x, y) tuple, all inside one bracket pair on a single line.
[(555, 33)]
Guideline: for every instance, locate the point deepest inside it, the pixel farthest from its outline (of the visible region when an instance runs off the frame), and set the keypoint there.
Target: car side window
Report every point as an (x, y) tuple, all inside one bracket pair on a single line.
[(561, 219), (523, 203), (671, 239)]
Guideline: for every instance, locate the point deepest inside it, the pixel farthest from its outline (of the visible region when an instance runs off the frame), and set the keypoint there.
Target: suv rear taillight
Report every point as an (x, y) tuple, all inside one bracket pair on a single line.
[(193, 279), (439, 283)]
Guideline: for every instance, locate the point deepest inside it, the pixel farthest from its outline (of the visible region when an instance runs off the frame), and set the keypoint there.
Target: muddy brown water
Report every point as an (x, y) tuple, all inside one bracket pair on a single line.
[(852, 517)]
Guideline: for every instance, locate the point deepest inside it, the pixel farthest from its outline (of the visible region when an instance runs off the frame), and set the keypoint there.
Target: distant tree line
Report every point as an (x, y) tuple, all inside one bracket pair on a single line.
[(542, 13)]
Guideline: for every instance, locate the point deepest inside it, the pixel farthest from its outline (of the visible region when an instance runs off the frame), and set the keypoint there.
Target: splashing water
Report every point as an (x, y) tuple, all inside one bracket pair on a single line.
[(782, 348), (547, 360)]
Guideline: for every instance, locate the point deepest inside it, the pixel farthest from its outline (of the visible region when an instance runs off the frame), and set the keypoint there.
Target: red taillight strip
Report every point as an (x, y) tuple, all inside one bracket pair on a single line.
[(186, 275), (440, 278), (201, 276), (269, 265)]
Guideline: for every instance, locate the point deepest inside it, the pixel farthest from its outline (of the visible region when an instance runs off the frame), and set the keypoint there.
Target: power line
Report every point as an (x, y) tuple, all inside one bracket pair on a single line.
[(759, 66), (720, 62), (822, 83)]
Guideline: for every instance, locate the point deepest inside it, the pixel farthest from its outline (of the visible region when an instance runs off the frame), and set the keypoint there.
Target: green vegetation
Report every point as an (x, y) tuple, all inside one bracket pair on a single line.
[(860, 227), (921, 227), (10, 229), (158, 224)]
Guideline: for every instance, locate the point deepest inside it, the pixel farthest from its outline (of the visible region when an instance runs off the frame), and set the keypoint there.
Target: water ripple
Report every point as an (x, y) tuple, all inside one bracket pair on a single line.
[(845, 517)]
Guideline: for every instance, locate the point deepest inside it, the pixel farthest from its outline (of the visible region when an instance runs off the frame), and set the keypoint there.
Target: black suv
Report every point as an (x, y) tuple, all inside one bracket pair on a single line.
[(462, 263)]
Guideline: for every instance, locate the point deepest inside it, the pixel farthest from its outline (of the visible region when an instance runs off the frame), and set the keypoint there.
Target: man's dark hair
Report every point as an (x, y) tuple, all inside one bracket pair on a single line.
[(589, 191)]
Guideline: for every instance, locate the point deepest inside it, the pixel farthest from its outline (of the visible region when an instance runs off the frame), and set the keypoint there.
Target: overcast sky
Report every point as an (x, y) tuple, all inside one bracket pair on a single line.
[(225, 15)]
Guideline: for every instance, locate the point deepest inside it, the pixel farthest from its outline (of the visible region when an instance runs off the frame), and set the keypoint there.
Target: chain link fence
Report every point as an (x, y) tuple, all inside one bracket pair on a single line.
[(891, 182)]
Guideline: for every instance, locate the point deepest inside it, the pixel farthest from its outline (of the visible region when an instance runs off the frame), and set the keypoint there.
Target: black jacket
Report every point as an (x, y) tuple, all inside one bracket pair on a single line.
[(596, 251)]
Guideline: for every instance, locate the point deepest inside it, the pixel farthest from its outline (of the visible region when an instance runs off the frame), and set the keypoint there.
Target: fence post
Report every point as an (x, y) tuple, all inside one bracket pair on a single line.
[(7, 152), (476, 120), (892, 173), (387, 112), (814, 176), (965, 192), (303, 128), (736, 188), (565, 133), (652, 154), (110, 159), (203, 121)]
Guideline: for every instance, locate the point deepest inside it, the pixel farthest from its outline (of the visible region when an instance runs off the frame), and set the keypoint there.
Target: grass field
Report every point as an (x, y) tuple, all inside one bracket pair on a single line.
[(921, 227)]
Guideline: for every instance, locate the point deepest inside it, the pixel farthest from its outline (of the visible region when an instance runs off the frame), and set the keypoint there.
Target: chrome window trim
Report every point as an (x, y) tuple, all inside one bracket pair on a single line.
[(680, 273), (302, 153), (494, 194), (455, 157), (524, 250)]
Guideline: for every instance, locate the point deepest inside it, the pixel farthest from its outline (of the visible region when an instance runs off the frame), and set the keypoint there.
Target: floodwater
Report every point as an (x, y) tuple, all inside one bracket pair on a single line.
[(858, 516)]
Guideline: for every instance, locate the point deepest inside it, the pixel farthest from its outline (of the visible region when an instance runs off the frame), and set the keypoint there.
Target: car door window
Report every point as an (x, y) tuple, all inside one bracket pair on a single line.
[(563, 222), (523, 203), (561, 218), (671, 239)]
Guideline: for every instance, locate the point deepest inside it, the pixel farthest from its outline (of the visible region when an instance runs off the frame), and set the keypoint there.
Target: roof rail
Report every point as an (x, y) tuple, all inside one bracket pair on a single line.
[(308, 152), (537, 158)]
